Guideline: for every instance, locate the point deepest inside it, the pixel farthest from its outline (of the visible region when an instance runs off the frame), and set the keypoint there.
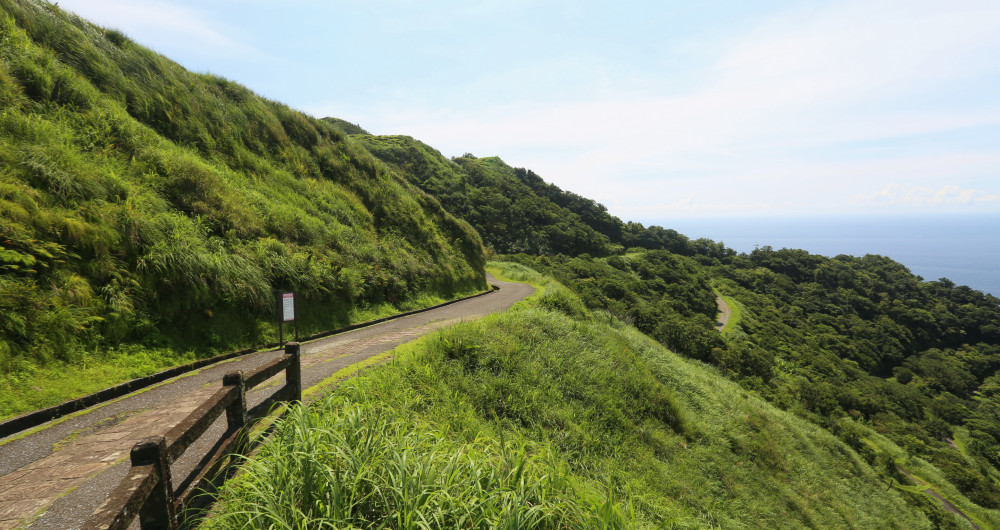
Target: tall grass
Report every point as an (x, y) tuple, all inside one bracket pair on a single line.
[(641, 437), (144, 204), (363, 465)]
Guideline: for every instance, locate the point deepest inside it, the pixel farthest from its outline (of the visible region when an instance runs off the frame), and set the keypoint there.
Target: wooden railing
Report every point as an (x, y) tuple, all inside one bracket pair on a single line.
[(147, 490)]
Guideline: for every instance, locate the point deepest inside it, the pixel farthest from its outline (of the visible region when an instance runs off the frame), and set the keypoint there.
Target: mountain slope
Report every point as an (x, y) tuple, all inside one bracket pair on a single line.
[(514, 209), (142, 202), (570, 420), (487, 193), (843, 342)]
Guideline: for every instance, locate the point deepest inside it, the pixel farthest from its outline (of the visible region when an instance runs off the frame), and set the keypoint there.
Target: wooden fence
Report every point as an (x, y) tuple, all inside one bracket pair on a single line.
[(147, 490)]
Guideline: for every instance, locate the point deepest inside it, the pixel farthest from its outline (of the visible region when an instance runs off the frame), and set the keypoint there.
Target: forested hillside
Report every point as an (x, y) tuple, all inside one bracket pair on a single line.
[(858, 345), (141, 203), (512, 208), (551, 416)]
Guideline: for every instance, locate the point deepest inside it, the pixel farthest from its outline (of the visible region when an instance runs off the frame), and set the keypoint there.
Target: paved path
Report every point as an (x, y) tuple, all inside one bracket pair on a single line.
[(56, 477)]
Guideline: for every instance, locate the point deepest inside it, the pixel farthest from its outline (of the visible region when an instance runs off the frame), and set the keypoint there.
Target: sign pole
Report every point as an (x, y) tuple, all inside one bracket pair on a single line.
[(281, 324), (295, 304)]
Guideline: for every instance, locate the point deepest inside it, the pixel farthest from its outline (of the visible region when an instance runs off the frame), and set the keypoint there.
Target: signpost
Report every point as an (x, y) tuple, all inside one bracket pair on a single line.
[(286, 313)]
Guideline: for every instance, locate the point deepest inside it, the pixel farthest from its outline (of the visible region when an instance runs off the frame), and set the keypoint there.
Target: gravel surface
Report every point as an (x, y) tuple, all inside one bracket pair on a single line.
[(724, 313)]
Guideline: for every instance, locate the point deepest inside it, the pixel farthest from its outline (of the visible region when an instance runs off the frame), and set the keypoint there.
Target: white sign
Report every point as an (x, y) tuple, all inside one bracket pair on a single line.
[(287, 307)]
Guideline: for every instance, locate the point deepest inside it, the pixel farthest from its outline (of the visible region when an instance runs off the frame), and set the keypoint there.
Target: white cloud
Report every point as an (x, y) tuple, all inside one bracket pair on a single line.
[(803, 83), (763, 124)]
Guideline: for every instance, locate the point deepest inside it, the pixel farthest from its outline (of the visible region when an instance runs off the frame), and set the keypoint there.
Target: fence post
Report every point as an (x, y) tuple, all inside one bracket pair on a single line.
[(236, 412), (293, 374), (158, 510)]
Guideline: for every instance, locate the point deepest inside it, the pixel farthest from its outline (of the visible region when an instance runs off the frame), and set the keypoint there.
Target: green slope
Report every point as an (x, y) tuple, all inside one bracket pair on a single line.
[(140, 202), (827, 338), (574, 421), (832, 340), (487, 193), (516, 211)]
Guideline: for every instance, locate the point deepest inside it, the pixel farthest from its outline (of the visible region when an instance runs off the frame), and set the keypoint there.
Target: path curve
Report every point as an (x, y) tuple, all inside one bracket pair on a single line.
[(945, 503), (66, 470)]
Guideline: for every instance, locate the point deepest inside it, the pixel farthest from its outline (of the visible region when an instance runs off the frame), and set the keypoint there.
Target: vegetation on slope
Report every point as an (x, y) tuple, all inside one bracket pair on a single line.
[(864, 338), (847, 343), (825, 338), (515, 210), (665, 295), (141, 203), (573, 420)]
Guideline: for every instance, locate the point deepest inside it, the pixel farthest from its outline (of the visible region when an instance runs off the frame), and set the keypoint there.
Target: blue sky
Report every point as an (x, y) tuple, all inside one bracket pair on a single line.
[(659, 110)]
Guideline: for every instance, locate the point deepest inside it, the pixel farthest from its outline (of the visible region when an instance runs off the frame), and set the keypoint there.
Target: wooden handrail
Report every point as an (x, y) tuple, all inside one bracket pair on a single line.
[(196, 423), (147, 490), (266, 372)]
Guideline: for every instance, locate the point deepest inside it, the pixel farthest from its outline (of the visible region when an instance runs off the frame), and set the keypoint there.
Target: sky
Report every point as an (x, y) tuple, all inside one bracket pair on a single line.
[(659, 110)]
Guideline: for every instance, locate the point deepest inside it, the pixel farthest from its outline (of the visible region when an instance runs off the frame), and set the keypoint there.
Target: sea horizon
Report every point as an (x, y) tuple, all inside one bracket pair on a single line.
[(964, 248)]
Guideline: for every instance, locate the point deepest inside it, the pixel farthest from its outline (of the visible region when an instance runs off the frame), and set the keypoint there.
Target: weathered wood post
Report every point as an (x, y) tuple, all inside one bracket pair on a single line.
[(293, 374), (236, 412), (158, 511)]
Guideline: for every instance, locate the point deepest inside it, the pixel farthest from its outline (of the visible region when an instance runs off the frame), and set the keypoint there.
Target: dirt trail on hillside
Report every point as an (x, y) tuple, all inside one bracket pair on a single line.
[(724, 313), (945, 503), (57, 477)]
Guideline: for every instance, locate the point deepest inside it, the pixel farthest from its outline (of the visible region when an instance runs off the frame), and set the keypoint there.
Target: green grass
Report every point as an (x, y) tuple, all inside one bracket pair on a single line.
[(145, 205), (515, 272), (612, 428), (34, 387), (319, 389)]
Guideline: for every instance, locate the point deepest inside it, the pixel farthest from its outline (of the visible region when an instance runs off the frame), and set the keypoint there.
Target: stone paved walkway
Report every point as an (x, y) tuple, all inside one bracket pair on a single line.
[(30, 489), (61, 487)]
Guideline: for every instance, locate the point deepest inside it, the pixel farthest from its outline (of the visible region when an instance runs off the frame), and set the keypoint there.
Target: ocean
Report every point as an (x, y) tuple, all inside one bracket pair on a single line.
[(963, 248)]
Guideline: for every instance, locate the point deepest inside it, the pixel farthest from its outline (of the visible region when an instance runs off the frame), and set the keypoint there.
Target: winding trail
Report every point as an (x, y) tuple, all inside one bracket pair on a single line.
[(56, 477), (724, 313), (945, 503)]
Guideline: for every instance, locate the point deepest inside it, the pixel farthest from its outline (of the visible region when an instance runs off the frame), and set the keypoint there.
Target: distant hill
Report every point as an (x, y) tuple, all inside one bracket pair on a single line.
[(487, 193), (513, 208), (345, 127)]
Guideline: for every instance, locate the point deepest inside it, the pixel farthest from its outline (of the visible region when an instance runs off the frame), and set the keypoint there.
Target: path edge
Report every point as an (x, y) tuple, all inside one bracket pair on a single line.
[(30, 420)]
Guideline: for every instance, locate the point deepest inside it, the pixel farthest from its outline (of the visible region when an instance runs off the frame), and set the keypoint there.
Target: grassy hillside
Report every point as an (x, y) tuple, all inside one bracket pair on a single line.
[(486, 193), (825, 338), (832, 340), (550, 416), (514, 209), (143, 204)]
